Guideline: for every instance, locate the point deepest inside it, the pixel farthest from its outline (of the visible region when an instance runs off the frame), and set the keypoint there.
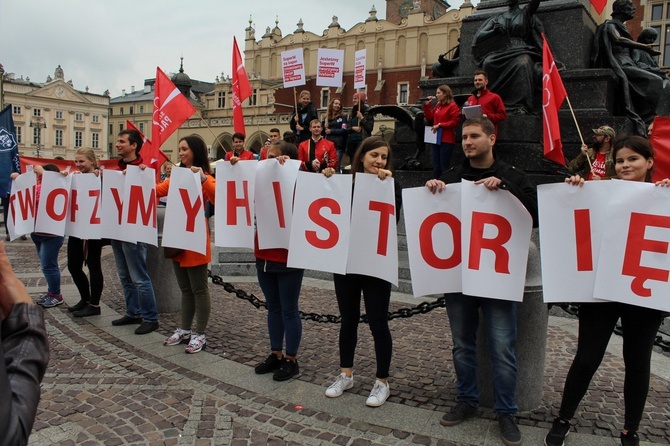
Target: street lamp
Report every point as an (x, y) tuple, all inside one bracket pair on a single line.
[(39, 124)]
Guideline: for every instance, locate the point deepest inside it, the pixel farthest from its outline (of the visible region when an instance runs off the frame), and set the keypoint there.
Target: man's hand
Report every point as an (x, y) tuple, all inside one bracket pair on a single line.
[(491, 183), (584, 149), (435, 185)]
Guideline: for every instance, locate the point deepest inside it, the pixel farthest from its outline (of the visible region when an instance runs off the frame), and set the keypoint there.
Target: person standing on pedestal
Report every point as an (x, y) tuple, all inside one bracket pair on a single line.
[(600, 155), (445, 117), (499, 316), (360, 123), (493, 107), (131, 258), (301, 118)]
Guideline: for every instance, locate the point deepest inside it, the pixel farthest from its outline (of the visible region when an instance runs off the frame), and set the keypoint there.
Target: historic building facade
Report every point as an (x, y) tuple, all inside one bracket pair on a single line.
[(55, 119)]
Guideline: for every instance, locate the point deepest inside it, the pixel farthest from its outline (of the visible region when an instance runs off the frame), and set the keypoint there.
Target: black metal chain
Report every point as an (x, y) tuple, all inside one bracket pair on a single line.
[(422, 308), (573, 310)]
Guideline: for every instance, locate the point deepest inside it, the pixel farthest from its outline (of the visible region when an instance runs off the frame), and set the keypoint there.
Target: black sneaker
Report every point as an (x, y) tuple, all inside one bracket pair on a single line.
[(146, 327), (270, 364), (287, 370), (510, 433), (630, 439), (127, 320), (88, 310), (79, 306), (559, 430), (460, 412)]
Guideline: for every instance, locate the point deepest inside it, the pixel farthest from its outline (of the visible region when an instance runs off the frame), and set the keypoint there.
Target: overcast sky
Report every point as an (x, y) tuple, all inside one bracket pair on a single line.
[(115, 44)]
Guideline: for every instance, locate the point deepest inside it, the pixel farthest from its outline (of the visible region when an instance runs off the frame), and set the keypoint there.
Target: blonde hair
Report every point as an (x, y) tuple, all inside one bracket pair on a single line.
[(305, 93), (90, 154)]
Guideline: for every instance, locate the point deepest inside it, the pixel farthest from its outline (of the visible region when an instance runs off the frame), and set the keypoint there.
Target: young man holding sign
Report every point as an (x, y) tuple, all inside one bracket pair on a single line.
[(499, 315)]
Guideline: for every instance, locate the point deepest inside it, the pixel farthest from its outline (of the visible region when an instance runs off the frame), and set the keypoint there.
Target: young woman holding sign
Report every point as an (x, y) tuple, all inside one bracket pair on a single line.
[(190, 267), (634, 161), (373, 157), (89, 252)]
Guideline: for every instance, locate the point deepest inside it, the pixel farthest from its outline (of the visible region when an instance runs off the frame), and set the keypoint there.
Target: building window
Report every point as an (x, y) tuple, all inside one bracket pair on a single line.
[(403, 93), (254, 97), (120, 128), (37, 135), (325, 97), (141, 108), (16, 109), (96, 119), (59, 114), (37, 112), (78, 138), (111, 128), (141, 127), (58, 139), (658, 17), (221, 100), (132, 110), (78, 116), (95, 141), (19, 135), (121, 110)]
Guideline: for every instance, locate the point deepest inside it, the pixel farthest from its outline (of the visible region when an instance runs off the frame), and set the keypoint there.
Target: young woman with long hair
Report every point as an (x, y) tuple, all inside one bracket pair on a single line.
[(445, 117), (335, 128)]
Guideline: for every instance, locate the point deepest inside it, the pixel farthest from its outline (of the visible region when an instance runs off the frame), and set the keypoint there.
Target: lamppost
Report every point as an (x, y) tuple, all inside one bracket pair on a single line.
[(38, 124)]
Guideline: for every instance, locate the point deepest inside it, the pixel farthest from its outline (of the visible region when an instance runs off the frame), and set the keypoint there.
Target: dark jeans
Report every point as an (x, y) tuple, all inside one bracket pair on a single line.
[(281, 287), (76, 257), (596, 324), (499, 318), (441, 157), (48, 247), (376, 295)]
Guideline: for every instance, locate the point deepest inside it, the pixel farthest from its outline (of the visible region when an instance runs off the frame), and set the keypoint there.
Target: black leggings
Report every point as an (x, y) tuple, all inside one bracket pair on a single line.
[(75, 264), (376, 294), (596, 324)]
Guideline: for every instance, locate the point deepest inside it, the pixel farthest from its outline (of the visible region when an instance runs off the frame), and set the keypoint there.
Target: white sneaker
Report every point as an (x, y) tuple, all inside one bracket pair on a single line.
[(178, 337), (342, 383), (379, 394), (197, 343)]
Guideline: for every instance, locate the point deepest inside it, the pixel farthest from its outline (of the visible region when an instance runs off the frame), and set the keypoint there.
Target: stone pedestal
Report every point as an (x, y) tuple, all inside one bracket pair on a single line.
[(166, 289)]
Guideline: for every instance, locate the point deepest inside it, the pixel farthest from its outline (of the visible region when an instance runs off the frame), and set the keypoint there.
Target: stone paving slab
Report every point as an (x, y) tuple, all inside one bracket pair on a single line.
[(107, 386)]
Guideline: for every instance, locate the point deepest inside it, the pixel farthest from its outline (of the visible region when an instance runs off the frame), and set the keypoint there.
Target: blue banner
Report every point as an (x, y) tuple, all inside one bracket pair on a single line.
[(9, 151)]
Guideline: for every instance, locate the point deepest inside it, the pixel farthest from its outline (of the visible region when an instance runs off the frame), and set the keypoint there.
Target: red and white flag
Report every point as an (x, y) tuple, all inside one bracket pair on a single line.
[(241, 89), (151, 155), (553, 95), (171, 109)]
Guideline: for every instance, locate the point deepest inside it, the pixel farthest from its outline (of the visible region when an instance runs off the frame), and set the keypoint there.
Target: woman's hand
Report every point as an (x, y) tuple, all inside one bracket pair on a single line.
[(663, 183), (575, 180), (195, 169), (436, 127), (383, 174), (281, 159), (435, 185)]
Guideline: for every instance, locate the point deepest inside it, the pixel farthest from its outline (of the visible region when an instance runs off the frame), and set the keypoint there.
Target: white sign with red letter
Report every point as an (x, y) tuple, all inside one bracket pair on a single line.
[(433, 228), (320, 226), (139, 205), (634, 261), (83, 217), (22, 206), (234, 222), (275, 184), (113, 187), (374, 251), (359, 68), (496, 233), (185, 226), (572, 220), (293, 68), (329, 67), (53, 203)]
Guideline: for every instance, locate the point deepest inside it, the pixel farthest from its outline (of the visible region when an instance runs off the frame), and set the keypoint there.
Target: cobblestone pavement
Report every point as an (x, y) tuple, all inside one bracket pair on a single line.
[(108, 386)]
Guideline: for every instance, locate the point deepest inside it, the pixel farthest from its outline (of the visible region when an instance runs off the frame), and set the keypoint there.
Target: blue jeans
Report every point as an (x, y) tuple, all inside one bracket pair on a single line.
[(499, 317), (441, 158), (47, 249), (281, 287), (131, 265)]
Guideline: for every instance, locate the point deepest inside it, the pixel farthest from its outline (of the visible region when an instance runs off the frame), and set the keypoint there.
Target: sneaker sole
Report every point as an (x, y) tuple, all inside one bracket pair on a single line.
[(375, 404), (342, 392), (204, 346), (52, 305), (181, 341)]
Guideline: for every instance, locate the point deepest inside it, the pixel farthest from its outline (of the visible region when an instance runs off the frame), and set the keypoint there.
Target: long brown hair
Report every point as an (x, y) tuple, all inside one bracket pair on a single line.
[(331, 114), (368, 144), (448, 95)]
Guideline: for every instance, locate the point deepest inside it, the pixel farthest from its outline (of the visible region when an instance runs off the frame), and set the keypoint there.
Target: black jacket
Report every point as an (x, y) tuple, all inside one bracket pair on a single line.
[(513, 180), (311, 114), (23, 360)]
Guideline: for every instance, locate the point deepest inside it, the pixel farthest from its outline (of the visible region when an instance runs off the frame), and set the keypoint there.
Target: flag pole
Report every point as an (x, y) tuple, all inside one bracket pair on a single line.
[(581, 137), (216, 138)]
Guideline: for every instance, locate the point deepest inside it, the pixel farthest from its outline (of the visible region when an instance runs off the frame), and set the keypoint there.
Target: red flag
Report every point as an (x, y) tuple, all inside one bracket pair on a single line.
[(599, 5), (241, 89), (151, 155), (171, 109), (553, 95), (660, 141)]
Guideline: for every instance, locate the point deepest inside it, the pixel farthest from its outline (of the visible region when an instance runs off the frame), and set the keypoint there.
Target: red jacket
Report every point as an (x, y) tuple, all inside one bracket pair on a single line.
[(322, 150), (244, 156), (447, 115), (492, 106)]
